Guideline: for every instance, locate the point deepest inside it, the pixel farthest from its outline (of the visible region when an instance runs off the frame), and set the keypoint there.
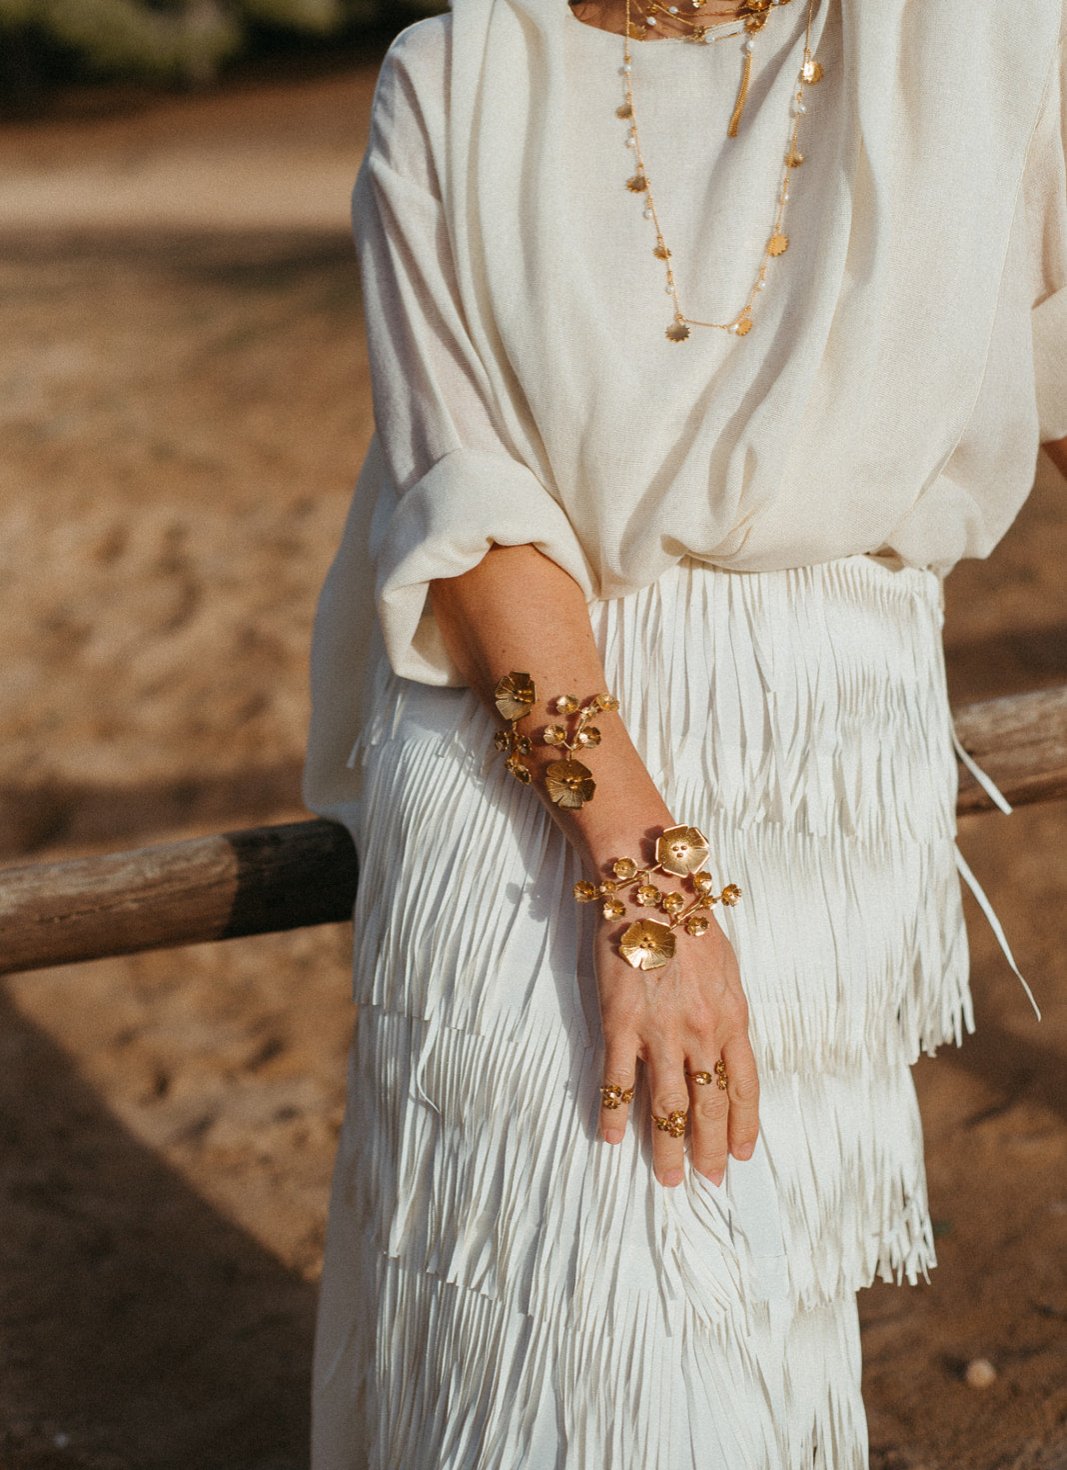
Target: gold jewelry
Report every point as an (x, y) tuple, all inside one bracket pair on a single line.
[(613, 1096), (569, 783), (648, 944), (702, 1079), (674, 1123), (514, 697), (696, 31), (755, 14)]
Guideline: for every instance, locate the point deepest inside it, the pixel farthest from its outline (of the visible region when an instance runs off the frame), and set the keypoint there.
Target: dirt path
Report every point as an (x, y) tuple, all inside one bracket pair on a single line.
[(184, 404)]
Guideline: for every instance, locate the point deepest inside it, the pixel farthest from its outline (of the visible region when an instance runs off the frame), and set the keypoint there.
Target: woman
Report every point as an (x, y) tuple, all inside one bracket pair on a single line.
[(703, 343)]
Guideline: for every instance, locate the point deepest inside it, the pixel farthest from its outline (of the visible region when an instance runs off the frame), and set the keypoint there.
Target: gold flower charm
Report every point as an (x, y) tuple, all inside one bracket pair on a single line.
[(673, 1123), (677, 331), (681, 850), (636, 182), (613, 1096), (569, 784), (778, 244), (514, 696), (647, 945)]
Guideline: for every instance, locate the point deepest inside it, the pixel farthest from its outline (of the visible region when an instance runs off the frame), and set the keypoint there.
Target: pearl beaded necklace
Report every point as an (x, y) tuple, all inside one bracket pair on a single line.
[(755, 12)]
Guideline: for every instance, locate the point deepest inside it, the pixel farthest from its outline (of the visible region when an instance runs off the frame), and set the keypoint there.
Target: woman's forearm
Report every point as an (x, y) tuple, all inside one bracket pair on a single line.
[(517, 610)]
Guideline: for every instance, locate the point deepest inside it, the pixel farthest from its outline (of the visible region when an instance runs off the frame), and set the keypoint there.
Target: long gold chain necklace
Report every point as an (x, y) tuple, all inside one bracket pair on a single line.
[(755, 15)]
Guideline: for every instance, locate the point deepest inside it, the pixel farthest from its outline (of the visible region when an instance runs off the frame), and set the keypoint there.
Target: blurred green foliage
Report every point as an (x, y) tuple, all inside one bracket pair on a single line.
[(172, 41)]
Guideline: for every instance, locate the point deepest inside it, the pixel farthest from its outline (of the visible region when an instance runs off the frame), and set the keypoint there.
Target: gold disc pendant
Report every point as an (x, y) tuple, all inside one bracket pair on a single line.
[(778, 245), (811, 71), (677, 331)]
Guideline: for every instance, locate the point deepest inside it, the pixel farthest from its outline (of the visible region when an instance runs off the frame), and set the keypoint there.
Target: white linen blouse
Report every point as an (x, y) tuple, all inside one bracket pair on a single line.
[(907, 358)]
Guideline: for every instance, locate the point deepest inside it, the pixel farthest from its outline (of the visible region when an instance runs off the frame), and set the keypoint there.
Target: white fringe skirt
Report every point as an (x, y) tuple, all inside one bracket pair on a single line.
[(501, 1290)]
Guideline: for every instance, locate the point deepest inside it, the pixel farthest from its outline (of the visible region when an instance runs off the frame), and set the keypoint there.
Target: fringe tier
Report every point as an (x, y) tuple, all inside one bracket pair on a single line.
[(501, 1289)]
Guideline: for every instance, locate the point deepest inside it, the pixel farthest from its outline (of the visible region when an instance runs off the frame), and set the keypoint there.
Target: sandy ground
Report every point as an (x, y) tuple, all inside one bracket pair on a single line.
[(184, 408)]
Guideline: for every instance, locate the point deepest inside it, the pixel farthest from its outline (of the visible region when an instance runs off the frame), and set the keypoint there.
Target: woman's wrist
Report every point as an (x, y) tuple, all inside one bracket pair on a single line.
[(603, 838)]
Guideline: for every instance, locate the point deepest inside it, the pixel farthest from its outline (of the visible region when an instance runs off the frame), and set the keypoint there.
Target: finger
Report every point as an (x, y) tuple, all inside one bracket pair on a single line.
[(709, 1113), (743, 1090), (620, 1065), (670, 1096)]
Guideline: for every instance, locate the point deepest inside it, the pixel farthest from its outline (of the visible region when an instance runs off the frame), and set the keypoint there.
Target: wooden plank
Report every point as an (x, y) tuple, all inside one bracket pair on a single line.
[(258, 881), (1020, 740), (265, 880)]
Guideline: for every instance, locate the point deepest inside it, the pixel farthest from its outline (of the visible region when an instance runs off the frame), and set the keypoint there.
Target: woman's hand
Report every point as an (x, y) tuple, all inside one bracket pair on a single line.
[(518, 610), (681, 1018)]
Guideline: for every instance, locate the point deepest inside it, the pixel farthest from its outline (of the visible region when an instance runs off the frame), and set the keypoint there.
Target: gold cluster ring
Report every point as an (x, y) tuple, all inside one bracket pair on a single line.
[(613, 1096), (719, 1077), (674, 1123)]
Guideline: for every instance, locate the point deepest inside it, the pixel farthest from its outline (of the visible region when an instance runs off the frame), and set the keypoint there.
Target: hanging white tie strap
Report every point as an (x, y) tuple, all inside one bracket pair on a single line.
[(998, 798), (992, 791), (994, 923)]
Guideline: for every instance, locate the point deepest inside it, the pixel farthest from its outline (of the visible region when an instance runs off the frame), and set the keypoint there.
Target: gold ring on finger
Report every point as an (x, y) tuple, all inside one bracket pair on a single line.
[(613, 1096), (674, 1123), (721, 1078), (700, 1078)]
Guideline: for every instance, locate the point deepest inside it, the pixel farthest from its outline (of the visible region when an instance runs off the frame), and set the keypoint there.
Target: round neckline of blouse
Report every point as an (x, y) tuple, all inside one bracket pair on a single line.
[(665, 43)]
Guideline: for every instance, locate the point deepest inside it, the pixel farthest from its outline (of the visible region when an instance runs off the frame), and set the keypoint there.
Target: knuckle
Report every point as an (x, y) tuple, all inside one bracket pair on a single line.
[(735, 1010), (712, 1108), (745, 1089)]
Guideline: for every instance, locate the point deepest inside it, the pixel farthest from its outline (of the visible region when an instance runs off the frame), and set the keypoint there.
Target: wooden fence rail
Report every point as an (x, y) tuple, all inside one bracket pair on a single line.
[(263, 880)]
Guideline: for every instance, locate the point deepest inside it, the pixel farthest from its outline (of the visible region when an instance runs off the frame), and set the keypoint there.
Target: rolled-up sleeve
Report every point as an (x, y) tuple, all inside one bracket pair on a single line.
[(460, 480), (1050, 310)]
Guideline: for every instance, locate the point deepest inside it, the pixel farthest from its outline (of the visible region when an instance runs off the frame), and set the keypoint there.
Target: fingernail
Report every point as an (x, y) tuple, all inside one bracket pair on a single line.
[(673, 1178), (716, 1179), (744, 1150), (612, 1135)]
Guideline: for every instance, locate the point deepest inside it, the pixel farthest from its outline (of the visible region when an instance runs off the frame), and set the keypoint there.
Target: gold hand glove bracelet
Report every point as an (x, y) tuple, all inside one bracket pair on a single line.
[(649, 944), (568, 782)]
